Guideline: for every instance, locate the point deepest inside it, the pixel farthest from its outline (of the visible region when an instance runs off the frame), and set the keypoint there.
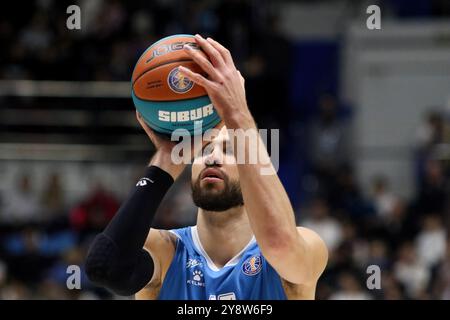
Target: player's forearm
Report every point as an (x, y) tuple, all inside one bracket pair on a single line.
[(268, 206), (132, 222), (163, 160), (273, 222), (272, 217)]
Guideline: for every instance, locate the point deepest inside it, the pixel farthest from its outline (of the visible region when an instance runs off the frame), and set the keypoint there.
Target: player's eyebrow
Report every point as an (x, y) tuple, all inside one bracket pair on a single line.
[(204, 147), (223, 141), (200, 152)]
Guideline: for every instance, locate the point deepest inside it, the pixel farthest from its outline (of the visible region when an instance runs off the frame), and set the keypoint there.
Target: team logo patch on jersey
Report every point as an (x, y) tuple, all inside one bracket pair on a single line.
[(178, 82), (252, 265)]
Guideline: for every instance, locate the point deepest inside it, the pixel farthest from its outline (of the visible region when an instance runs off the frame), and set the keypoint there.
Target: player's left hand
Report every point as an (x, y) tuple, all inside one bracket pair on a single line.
[(224, 85)]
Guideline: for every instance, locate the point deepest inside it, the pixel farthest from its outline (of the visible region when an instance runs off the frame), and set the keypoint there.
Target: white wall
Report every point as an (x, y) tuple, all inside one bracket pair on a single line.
[(392, 77)]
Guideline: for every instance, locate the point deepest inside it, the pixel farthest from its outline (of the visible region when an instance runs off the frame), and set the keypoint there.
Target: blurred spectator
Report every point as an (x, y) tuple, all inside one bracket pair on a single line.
[(3, 274), (411, 272), (31, 239), (350, 289), (431, 131), (378, 254), (21, 204), (110, 19), (398, 226), (15, 290), (385, 202), (351, 253), (442, 281), (433, 190), (431, 241), (345, 194), (50, 290), (263, 96), (320, 221), (93, 213), (57, 274), (26, 261), (37, 36), (180, 210), (390, 287), (53, 197), (329, 140)]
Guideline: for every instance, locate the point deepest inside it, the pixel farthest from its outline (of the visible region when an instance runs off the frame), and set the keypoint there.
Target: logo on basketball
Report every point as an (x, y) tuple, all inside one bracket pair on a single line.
[(252, 265), (178, 82)]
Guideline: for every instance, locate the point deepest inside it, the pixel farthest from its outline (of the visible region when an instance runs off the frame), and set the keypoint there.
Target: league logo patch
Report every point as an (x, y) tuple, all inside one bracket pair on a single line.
[(178, 82), (252, 266)]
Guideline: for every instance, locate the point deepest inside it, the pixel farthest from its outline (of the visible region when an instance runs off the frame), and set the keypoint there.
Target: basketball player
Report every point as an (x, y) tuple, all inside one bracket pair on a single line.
[(245, 244)]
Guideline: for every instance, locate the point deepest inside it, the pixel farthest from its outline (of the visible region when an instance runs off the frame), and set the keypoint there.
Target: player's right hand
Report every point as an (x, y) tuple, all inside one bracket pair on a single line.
[(162, 157), (160, 143)]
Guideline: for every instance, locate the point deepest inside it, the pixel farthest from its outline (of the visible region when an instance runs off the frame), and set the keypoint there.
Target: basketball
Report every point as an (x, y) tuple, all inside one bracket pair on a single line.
[(166, 99)]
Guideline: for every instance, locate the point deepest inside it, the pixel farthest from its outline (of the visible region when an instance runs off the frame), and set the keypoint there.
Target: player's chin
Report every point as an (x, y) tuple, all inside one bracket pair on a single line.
[(212, 183)]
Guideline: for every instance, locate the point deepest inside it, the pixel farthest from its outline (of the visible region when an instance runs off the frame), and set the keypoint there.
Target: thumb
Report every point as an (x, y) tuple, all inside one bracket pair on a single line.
[(242, 78)]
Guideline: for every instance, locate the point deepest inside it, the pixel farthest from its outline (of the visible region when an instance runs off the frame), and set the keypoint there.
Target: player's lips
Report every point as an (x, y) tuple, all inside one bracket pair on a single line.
[(212, 175)]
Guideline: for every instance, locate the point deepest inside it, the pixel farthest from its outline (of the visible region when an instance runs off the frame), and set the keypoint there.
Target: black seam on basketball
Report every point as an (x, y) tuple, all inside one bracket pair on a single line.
[(162, 101), (160, 65), (180, 125), (151, 123)]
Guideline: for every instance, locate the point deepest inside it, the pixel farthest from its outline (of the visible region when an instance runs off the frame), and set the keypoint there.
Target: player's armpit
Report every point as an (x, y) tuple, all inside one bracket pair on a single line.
[(161, 244), (299, 291)]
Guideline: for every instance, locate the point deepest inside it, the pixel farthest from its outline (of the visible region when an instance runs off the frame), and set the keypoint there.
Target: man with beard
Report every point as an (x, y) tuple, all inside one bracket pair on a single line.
[(245, 244)]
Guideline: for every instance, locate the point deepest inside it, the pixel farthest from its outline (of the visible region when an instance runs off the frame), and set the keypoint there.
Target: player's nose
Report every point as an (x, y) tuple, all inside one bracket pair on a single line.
[(215, 158)]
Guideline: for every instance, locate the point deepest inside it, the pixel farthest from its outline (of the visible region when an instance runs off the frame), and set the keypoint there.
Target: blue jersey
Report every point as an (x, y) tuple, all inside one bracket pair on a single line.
[(193, 276)]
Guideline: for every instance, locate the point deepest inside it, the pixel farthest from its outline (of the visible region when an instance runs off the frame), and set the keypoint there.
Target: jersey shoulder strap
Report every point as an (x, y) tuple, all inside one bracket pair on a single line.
[(184, 238)]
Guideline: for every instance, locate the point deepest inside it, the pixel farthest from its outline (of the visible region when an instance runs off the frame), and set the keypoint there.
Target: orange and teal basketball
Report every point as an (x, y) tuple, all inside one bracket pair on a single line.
[(166, 99)]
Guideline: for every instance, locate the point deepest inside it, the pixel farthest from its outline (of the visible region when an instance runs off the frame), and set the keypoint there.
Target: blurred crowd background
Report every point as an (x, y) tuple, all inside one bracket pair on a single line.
[(68, 160)]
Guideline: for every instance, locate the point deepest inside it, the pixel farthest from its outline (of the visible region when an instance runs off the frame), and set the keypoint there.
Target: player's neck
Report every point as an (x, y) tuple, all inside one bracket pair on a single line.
[(224, 234)]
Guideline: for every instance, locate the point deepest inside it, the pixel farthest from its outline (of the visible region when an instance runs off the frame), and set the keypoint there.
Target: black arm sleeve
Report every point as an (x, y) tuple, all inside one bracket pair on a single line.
[(116, 258)]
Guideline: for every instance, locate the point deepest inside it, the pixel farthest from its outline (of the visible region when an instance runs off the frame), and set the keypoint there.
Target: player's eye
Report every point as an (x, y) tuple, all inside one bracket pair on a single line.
[(207, 150), (228, 148)]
